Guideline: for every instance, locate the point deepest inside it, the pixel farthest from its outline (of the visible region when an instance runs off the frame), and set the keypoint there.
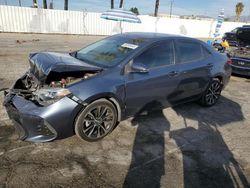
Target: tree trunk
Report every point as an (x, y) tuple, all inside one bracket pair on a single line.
[(112, 4), (45, 4), (157, 2), (66, 4), (237, 17), (35, 3), (121, 4)]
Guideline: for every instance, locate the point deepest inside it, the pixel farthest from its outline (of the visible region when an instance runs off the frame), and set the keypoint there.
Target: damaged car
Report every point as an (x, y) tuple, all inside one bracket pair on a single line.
[(89, 91), (241, 55)]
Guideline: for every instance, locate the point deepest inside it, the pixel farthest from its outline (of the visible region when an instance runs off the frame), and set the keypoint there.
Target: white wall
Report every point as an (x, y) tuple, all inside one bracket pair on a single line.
[(32, 20)]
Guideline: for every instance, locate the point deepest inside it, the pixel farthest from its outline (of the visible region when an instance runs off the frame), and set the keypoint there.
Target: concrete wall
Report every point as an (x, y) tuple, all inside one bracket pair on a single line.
[(32, 20)]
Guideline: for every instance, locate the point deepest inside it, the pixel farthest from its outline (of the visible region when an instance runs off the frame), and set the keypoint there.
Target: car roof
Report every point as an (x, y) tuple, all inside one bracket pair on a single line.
[(150, 36)]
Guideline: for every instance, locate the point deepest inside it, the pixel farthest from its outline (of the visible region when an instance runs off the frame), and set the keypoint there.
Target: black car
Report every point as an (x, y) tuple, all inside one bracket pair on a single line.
[(241, 54), (241, 61), (89, 91), (233, 36)]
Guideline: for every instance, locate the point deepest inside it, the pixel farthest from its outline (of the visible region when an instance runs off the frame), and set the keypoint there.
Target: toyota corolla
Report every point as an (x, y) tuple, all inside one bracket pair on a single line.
[(88, 92)]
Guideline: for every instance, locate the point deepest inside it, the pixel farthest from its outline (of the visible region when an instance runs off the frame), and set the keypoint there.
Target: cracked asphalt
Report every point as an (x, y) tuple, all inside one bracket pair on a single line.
[(185, 146)]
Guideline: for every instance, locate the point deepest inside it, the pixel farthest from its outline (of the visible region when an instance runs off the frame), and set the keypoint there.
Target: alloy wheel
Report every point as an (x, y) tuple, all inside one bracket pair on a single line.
[(213, 93), (98, 121)]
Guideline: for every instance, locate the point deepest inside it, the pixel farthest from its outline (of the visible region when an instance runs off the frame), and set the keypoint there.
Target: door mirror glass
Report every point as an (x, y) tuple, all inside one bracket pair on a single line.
[(138, 68)]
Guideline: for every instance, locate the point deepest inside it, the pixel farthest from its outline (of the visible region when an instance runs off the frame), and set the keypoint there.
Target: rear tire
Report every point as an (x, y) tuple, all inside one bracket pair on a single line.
[(212, 94), (96, 121)]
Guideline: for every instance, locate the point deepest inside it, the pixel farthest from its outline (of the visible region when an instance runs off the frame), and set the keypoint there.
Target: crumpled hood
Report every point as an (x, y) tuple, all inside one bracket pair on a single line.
[(46, 65)]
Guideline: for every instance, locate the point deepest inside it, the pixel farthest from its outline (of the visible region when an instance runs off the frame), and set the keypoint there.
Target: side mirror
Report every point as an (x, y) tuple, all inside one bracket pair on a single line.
[(138, 68), (73, 53)]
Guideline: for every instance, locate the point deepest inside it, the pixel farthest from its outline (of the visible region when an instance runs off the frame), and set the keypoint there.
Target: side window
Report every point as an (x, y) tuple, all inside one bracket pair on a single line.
[(188, 51), (156, 56)]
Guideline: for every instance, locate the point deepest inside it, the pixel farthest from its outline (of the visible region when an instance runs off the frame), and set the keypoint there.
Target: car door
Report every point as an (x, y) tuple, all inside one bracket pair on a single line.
[(195, 64), (152, 89)]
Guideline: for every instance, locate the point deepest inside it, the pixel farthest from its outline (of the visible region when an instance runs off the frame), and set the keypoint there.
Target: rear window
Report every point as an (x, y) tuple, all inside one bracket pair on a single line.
[(188, 51)]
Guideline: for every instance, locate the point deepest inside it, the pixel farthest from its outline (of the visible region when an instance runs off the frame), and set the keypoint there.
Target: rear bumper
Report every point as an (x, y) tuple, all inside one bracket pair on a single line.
[(244, 71), (41, 124)]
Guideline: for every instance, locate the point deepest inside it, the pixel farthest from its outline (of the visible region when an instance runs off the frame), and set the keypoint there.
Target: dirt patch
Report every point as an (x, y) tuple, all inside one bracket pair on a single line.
[(25, 41)]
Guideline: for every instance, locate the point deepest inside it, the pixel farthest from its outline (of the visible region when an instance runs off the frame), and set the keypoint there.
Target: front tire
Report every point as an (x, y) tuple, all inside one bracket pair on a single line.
[(96, 121), (212, 94)]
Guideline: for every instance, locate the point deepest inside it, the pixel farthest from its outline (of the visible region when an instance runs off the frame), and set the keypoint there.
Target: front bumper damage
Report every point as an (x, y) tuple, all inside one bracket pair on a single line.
[(40, 114), (41, 124)]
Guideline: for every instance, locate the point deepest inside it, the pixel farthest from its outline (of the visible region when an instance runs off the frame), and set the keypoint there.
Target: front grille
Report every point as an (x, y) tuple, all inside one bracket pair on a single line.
[(42, 129), (20, 130), (16, 119)]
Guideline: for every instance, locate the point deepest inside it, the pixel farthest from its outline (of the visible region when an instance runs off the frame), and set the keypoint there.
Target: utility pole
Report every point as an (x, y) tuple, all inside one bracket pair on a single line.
[(171, 7), (20, 4), (6, 2)]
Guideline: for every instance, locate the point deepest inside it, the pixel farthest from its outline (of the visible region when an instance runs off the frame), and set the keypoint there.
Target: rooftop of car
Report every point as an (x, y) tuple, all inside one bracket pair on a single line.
[(149, 35)]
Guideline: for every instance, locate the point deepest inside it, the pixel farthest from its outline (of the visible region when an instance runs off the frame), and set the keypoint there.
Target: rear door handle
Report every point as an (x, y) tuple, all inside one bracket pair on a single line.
[(210, 65), (173, 73)]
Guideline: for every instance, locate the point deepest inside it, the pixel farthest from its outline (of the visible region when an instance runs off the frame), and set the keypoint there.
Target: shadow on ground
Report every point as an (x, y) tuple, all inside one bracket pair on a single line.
[(207, 160)]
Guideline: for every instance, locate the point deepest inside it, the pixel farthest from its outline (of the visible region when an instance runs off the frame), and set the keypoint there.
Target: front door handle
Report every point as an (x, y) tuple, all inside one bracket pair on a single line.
[(173, 73), (210, 65)]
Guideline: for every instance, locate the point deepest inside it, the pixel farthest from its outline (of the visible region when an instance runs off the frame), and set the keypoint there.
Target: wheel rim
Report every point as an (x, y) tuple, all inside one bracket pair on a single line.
[(98, 121), (213, 93)]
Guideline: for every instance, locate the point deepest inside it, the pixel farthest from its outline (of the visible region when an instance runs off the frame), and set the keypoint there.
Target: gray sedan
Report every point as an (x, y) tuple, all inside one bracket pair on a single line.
[(88, 92)]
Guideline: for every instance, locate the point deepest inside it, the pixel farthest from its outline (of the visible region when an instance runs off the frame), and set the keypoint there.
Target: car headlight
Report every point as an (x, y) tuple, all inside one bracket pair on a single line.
[(49, 96)]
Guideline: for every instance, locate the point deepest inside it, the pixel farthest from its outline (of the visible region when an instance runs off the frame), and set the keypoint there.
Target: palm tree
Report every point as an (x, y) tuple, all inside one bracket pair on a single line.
[(66, 4), (121, 4), (45, 4), (35, 3), (112, 4), (157, 2), (238, 10)]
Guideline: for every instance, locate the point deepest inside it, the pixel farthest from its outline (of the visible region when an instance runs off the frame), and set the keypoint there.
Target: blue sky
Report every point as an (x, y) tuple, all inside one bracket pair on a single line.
[(180, 7)]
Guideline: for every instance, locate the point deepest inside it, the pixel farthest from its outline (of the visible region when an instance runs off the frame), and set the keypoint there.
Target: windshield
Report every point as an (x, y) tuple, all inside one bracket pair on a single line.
[(110, 51)]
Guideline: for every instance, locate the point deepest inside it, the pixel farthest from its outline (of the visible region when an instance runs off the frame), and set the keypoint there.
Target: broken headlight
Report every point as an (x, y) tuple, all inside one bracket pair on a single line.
[(49, 96)]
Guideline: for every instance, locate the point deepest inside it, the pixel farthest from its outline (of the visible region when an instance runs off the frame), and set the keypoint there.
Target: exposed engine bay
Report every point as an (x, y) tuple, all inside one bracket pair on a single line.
[(243, 52), (50, 75), (32, 89)]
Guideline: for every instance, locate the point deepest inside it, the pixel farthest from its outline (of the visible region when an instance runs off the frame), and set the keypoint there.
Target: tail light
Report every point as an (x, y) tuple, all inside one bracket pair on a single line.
[(229, 61)]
